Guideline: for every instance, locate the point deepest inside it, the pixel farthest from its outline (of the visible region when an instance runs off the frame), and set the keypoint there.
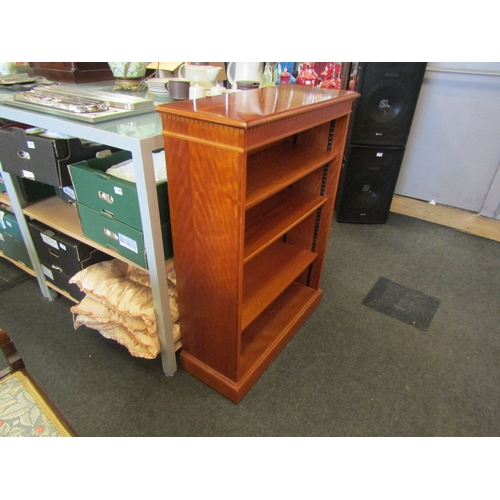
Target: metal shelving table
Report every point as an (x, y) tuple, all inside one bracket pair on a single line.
[(141, 135)]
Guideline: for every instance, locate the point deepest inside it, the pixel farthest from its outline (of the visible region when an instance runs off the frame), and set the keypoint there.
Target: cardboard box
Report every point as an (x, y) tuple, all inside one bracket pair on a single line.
[(62, 253), (171, 69), (9, 224), (126, 240), (165, 69), (67, 194), (116, 198), (11, 239), (31, 190), (14, 249), (61, 281), (41, 158), (61, 257)]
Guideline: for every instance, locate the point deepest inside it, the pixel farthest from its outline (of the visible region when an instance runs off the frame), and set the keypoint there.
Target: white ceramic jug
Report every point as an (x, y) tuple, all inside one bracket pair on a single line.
[(204, 75), (250, 71)]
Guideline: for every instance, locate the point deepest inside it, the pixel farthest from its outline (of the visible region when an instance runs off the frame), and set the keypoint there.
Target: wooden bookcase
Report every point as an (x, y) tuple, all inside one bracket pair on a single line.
[(252, 183)]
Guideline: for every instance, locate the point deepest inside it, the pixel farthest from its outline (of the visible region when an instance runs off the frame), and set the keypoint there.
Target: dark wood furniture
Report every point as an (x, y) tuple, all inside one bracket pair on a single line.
[(15, 364), (252, 183), (72, 72), (9, 352)]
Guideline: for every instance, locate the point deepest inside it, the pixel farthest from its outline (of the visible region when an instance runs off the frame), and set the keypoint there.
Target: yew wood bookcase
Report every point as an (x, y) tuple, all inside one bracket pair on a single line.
[(252, 182)]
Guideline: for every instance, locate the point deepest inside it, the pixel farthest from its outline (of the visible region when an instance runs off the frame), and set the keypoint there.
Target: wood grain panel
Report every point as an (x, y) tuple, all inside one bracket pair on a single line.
[(207, 231)]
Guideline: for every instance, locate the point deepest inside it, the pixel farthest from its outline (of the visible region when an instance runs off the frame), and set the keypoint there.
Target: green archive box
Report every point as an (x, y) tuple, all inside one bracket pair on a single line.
[(112, 195), (9, 224), (14, 249), (11, 240), (126, 240)]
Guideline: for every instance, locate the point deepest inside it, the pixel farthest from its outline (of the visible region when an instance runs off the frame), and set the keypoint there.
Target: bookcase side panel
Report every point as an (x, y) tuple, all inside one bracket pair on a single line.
[(206, 189), (313, 233)]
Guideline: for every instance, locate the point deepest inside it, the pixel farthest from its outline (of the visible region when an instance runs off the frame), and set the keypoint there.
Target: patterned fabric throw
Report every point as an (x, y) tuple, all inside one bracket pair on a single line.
[(24, 413)]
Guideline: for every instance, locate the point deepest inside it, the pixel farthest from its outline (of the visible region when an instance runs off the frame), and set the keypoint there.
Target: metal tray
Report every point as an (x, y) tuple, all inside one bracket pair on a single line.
[(79, 104)]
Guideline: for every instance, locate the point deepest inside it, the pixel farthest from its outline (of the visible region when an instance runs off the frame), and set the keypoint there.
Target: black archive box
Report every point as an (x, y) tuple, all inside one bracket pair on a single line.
[(61, 257), (59, 251), (42, 158), (31, 190)]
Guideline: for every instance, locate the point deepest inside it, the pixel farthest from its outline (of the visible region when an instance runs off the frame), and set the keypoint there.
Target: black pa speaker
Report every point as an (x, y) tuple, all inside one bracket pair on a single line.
[(388, 97), (378, 131), (367, 186)]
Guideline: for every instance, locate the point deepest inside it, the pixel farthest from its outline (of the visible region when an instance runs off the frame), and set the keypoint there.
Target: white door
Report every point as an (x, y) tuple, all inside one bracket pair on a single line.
[(453, 151)]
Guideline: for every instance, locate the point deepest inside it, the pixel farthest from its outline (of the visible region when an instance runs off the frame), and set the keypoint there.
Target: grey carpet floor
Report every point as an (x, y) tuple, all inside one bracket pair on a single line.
[(351, 370)]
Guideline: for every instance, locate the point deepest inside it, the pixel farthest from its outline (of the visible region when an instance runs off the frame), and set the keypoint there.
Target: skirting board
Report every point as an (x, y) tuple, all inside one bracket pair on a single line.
[(462, 220)]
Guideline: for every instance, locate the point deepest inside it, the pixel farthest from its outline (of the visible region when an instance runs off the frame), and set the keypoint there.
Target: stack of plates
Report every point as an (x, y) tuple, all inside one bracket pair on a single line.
[(157, 85)]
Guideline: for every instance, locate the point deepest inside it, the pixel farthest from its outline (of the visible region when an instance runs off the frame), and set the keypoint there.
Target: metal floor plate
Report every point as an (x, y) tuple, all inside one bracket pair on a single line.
[(404, 304)]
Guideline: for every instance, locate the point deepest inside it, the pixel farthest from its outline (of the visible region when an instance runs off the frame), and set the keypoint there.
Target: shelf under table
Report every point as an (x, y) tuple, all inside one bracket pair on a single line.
[(63, 217)]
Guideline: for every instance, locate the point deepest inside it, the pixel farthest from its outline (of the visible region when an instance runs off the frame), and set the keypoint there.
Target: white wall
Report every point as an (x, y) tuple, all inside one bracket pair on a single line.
[(453, 151)]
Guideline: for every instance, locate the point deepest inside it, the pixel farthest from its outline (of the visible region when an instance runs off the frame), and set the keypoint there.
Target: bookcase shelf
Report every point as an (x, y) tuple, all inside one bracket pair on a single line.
[(266, 222), (272, 327), (252, 188), (269, 274), (271, 170)]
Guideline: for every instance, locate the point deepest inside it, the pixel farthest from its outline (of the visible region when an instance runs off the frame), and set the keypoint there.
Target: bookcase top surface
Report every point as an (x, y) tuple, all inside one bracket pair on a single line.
[(249, 108)]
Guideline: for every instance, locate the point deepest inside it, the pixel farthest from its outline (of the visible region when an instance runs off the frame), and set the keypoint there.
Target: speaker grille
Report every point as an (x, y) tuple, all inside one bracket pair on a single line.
[(378, 132), (384, 112), (367, 183)]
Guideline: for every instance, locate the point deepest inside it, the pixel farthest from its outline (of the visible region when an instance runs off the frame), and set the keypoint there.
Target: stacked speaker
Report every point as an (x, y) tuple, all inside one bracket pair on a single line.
[(378, 132)]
